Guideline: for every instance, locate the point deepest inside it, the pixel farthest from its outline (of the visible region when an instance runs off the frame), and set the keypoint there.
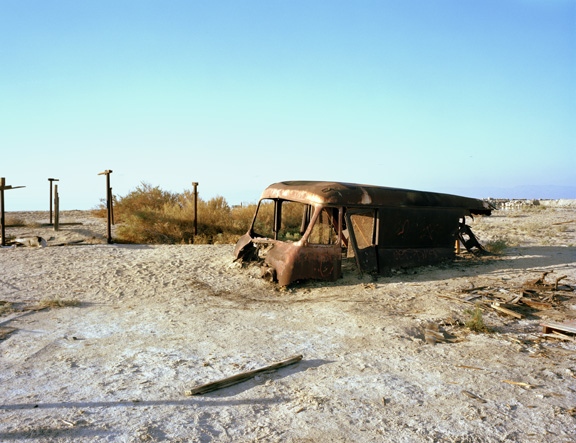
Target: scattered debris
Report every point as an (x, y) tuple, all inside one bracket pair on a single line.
[(535, 304), (239, 378), (5, 332), (552, 327), (540, 282), (56, 303), (432, 333), (474, 396), (499, 308), (469, 367), (533, 296), (519, 383), (559, 336), (34, 241), (563, 223)]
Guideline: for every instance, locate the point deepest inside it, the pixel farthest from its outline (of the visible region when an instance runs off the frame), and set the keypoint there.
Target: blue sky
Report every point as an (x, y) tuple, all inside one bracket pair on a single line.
[(465, 97)]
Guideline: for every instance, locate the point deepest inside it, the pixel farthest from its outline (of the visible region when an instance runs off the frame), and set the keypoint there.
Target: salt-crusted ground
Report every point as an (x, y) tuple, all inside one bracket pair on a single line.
[(155, 321)]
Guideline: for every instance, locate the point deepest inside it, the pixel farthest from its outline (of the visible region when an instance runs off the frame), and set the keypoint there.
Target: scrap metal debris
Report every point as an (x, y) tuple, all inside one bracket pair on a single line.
[(474, 396)]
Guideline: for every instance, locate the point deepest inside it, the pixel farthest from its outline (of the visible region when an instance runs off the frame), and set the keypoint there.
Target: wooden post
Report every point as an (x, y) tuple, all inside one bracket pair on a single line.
[(195, 184), (4, 187), (2, 219), (56, 209), (51, 180), (111, 199), (107, 173)]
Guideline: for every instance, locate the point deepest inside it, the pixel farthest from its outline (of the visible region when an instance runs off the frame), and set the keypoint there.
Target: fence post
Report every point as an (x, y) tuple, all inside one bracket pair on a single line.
[(107, 173), (51, 180), (4, 187), (195, 184), (2, 219), (56, 209)]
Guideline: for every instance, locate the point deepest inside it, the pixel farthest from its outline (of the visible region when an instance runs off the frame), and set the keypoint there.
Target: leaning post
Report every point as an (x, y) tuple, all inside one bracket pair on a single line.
[(107, 173)]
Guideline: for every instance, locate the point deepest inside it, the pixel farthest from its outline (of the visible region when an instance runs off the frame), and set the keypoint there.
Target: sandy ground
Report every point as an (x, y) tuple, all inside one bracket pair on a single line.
[(155, 321)]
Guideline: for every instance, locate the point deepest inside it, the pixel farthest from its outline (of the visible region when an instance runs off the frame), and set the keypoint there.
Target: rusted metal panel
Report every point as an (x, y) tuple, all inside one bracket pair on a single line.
[(425, 227), (410, 257), (382, 228), (293, 261)]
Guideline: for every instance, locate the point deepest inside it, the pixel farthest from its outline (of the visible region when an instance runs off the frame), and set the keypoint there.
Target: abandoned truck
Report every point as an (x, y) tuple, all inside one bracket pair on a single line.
[(303, 229)]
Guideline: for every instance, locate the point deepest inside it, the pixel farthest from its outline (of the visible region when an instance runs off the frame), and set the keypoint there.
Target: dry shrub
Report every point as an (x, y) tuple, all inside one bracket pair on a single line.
[(57, 303), (6, 307), (242, 216), (18, 222), (476, 321), (14, 221), (496, 246), (153, 216), (100, 211), (534, 208)]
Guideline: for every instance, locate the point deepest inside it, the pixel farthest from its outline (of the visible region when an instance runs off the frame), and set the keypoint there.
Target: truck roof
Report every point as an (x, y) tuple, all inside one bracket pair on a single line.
[(353, 194)]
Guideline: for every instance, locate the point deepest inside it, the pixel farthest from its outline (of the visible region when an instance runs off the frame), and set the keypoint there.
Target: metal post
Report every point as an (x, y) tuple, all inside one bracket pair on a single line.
[(51, 180), (107, 173), (195, 184)]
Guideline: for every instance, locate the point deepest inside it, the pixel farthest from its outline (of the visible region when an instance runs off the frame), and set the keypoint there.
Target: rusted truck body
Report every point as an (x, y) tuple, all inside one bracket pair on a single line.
[(303, 229)]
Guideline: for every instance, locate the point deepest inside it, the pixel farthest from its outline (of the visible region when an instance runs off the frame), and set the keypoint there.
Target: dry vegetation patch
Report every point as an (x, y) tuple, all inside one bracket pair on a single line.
[(56, 302), (150, 215)]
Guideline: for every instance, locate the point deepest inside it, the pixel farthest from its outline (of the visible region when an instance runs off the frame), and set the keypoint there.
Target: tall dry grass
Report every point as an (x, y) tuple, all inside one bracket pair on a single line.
[(151, 215)]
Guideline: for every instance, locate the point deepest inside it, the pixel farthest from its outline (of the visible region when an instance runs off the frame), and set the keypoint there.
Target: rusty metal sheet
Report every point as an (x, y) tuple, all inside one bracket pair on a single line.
[(294, 261)]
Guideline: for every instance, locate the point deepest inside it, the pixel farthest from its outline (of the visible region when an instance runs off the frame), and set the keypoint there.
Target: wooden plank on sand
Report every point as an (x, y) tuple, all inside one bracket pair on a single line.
[(239, 378), (497, 307), (567, 326), (535, 304)]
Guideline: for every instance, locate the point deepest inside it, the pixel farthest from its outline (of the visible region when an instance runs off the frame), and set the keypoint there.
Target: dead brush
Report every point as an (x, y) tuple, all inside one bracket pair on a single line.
[(14, 221), (57, 303), (149, 215), (497, 246), (6, 307)]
